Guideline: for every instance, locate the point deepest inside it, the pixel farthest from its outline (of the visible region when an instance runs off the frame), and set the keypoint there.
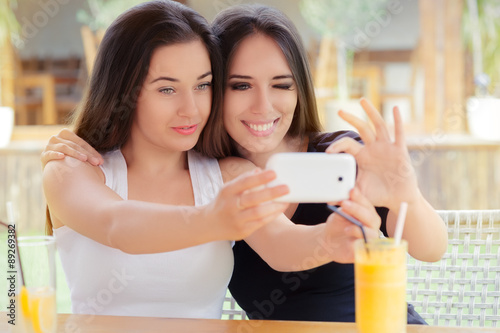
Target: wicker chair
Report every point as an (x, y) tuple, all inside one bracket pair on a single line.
[(462, 289), (231, 309)]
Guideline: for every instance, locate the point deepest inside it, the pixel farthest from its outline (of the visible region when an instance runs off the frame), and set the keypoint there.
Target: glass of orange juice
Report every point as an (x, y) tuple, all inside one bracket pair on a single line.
[(36, 301), (380, 285)]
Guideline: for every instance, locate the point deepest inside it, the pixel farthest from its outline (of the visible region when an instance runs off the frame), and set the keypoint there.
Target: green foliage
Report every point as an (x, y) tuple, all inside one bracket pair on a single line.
[(340, 18), (103, 12), (489, 30), (8, 21)]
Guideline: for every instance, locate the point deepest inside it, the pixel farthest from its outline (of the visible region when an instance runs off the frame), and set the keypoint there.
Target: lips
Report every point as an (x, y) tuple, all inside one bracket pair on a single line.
[(186, 130), (261, 128)]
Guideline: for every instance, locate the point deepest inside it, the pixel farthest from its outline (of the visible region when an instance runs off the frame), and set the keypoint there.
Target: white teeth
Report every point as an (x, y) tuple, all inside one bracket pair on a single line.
[(261, 127)]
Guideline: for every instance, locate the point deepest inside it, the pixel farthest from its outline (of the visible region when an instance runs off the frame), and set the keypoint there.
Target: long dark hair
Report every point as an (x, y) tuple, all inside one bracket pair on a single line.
[(235, 23), (105, 116)]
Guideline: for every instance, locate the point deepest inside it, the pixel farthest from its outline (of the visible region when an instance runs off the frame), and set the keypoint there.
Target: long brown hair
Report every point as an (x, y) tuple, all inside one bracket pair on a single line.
[(104, 117), (235, 23)]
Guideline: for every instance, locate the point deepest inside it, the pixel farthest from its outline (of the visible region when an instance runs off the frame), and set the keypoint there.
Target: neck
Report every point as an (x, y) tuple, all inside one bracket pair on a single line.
[(287, 145), (152, 160)]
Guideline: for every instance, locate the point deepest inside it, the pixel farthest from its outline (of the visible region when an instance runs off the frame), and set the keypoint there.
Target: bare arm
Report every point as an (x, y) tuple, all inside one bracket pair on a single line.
[(286, 246), (78, 198), (424, 230), (387, 177)]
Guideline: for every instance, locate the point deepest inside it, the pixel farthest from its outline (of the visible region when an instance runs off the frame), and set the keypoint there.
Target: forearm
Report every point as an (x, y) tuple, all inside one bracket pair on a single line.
[(292, 248), (131, 226), (424, 230), (140, 227)]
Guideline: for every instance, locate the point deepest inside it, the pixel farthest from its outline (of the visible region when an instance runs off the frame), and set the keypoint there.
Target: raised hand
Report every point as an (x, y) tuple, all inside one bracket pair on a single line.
[(385, 173), (67, 143), (341, 234), (244, 204)]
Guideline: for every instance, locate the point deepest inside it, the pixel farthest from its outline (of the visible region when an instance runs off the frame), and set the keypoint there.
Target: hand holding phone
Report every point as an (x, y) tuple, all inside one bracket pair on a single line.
[(314, 177)]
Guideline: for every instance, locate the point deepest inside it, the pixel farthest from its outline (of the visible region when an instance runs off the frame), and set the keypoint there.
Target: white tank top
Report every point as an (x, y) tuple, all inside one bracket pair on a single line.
[(187, 283)]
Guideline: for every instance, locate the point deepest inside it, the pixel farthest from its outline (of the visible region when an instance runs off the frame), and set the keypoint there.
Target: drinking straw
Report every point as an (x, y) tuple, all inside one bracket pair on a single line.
[(349, 218), (400, 222)]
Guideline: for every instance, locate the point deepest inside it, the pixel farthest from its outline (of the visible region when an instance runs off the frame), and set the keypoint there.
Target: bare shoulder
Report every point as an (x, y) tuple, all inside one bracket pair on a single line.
[(232, 167), (69, 167)]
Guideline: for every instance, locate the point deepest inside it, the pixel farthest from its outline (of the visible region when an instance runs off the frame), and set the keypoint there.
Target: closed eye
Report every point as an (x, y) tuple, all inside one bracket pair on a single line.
[(284, 86)]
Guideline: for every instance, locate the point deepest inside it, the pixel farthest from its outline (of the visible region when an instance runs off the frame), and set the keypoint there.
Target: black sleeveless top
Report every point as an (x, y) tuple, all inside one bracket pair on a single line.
[(325, 293)]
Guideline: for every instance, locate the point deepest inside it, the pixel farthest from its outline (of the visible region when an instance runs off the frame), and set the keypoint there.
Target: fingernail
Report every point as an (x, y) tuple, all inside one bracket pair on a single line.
[(94, 160), (284, 189), (271, 174)]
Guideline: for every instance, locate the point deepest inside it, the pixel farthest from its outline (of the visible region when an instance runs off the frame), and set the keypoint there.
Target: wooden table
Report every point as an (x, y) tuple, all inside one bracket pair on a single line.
[(93, 324)]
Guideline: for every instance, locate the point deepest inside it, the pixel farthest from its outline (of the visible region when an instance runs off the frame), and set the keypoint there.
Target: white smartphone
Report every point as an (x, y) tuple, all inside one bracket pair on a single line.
[(313, 177)]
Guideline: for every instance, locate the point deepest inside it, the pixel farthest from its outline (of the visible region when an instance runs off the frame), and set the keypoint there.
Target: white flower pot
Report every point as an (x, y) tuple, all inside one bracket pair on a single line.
[(483, 116), (6, 125)]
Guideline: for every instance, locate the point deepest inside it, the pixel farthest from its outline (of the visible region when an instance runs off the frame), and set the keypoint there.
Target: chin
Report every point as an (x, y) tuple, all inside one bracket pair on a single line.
[(261, 148)]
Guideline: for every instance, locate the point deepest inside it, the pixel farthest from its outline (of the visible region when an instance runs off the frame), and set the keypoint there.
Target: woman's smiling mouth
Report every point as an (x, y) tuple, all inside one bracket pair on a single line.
[(261, 129)]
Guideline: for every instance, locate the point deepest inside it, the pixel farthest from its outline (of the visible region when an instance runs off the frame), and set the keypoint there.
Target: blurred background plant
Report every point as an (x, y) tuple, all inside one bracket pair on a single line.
[(481, 32), (8, 21), (340, 20), (9, 29), (102, 12)]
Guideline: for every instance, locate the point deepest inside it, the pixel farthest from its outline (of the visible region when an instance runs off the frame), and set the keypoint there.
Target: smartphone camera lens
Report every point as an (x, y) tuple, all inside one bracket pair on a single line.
[(340, 179)]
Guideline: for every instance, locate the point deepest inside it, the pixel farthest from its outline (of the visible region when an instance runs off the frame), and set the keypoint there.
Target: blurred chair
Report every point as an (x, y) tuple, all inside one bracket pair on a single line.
[(36, 90), (462, 289)]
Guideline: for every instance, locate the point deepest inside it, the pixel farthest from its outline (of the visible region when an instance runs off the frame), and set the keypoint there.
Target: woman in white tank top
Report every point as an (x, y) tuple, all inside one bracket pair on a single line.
[(148, 233)]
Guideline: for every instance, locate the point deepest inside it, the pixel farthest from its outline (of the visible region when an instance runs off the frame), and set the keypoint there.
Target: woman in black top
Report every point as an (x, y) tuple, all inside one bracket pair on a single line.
[(255, 41)]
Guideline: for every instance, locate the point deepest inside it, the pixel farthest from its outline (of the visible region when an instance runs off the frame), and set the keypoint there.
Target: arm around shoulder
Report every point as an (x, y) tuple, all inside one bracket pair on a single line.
[(78, 198)]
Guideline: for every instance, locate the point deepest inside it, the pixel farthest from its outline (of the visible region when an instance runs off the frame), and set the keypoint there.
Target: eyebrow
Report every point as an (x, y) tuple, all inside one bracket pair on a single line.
[(278, 77), (167, 78)]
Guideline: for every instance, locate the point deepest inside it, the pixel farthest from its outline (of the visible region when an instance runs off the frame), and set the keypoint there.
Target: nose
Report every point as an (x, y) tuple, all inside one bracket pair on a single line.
[(262, 103), (189, 106)]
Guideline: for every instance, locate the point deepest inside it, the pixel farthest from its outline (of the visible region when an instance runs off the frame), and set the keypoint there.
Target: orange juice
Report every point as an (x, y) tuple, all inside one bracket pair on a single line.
[(36, 311), (35, 299), (380, 286)]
